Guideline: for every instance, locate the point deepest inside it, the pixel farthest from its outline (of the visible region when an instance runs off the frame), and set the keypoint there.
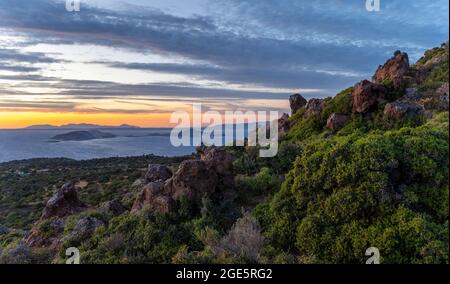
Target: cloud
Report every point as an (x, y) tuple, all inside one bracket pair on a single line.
[(13, 55), (325, 45)]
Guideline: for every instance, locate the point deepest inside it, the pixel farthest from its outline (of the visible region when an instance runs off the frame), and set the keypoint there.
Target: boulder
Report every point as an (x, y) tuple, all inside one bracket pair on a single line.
[(85, 227), (366, 95), (193, 180), (218, 159), (112, 208), (283, 124), (394, 71), (297, 101), (152, 196), (314, 107), (337, 121), (157, 172), (402, 110), (64, 202)]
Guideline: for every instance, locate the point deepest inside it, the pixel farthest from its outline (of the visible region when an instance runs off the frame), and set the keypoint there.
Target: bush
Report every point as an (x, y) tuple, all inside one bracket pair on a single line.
[(345, 194)]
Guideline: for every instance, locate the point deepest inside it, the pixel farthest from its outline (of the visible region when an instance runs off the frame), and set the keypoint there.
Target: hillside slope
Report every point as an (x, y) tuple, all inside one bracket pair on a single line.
[(366, 168)]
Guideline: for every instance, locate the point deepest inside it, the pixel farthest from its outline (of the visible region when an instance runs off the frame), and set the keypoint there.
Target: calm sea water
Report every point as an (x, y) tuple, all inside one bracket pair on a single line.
[(27, 144)]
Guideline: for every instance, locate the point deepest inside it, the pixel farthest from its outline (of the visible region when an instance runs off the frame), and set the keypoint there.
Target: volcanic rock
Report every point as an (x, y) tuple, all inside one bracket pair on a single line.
[(297, 101), (337, 121), (402, 109), (283, 124), (365, 96), (394, 71), (193, 180), (157, 172), (152, 196), (64, 202), (112, 208), (314, 107)]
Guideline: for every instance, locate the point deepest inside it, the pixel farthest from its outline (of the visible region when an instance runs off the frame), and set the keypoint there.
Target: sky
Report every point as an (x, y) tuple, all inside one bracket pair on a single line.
[(136, 62)]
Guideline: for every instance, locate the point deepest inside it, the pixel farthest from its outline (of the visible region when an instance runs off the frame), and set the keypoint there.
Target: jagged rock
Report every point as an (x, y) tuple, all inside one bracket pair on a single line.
[(153, 197), (365, 96), (337, 121), (297, 101), (402, 109), (157, 172), (85, 227), (314, 107), (64, 202), (283, 124), (193, 179), (113, 208), (394, 70), (218, 159)]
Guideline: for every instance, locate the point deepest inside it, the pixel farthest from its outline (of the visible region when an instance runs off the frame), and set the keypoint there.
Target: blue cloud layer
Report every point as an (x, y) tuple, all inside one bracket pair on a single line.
[(326, 45)]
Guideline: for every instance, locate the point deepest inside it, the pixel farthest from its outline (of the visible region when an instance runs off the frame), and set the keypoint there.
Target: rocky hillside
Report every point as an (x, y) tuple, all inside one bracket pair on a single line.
[(365, 168)]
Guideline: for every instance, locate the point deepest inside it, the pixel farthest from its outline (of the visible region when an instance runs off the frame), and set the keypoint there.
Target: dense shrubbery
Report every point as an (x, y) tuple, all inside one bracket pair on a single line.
[(384, 189)]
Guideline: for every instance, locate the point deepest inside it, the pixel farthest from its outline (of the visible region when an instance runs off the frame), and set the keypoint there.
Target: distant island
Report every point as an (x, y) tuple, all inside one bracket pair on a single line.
[(83, 135), (82, 126)]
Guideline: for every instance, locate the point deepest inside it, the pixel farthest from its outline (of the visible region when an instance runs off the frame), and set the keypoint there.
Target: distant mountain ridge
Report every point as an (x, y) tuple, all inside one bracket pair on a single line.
[(81, 126)]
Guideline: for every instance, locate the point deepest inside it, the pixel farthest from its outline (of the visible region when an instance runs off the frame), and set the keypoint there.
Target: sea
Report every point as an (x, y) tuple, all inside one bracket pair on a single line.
[(21, 144)]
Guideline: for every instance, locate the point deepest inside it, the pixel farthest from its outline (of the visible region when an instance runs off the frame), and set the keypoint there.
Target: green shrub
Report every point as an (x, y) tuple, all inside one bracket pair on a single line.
[(381, 182)]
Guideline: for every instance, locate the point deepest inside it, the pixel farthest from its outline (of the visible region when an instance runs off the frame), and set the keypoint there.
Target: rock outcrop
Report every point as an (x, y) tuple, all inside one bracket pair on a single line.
[(394, 71), (194, 179), (297, 101), (112, 208), (84, 228), (220, 161), (366, 95), (314, 107), (157, 172), (153, 197), (402, 110), (283, 124), (63, 203), (337, 121)]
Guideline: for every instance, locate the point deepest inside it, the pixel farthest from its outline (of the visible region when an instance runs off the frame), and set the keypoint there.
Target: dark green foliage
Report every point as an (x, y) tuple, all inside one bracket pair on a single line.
[(345, 194), (141, 238)]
